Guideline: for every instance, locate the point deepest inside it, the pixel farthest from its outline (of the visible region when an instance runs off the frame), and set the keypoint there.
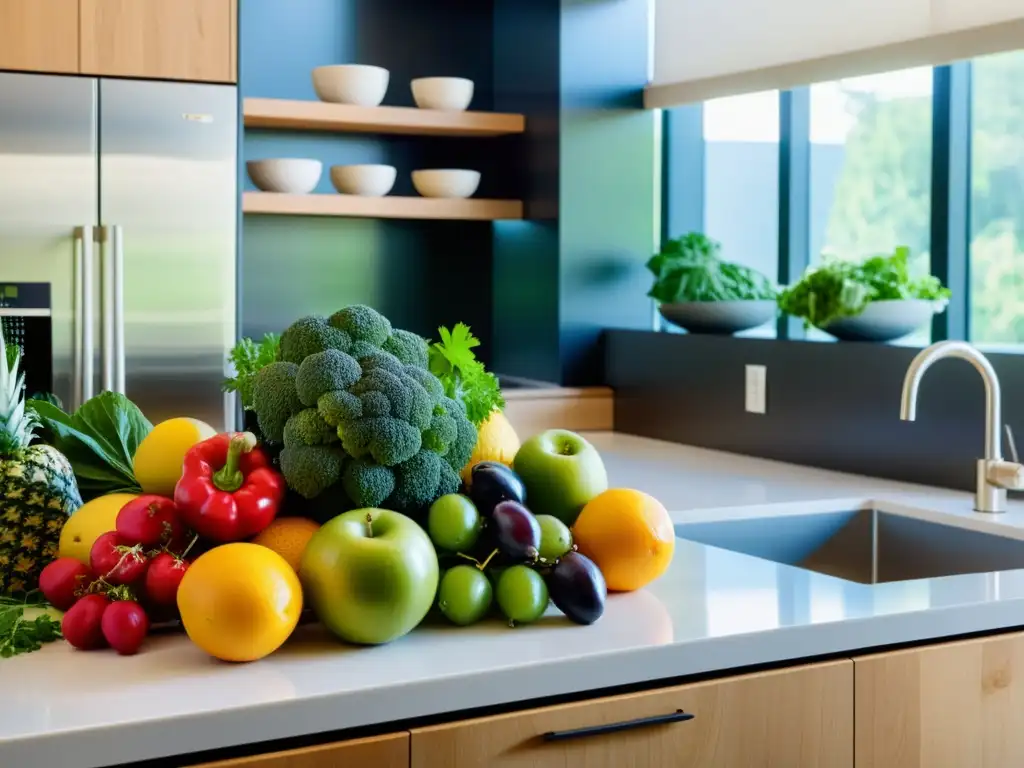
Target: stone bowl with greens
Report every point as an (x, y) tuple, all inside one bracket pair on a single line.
[(700, 293), (873, 300)]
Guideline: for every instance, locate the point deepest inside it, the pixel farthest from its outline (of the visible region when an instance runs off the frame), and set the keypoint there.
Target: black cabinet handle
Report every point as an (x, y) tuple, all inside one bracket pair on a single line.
[(595, 730)]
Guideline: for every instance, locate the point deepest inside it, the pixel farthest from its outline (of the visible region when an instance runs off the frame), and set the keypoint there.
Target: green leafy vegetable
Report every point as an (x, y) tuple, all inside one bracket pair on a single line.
[(25, 624), (248, 357), (464, 377), (840, 288), (689, 269), (99, 440)]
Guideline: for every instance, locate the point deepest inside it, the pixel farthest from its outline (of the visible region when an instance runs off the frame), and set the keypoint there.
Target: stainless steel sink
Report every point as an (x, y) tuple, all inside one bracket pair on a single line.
[(869, 546)]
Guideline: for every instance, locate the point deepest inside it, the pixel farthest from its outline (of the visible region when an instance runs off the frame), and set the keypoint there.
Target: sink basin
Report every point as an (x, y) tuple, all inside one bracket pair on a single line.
[(869, 546)]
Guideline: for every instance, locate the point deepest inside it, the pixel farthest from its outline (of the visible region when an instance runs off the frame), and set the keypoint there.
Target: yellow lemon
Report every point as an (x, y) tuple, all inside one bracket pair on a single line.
[(240, 602), (157, 461), (496, 441), (288, 536), (92, 520)]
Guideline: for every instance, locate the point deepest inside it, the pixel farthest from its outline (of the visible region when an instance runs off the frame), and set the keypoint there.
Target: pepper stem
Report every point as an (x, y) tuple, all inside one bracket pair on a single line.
[(229, 478), (369, 525)]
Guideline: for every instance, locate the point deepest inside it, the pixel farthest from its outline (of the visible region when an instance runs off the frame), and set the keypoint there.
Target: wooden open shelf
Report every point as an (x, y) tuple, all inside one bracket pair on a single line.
[(389, 207), (322, 116)]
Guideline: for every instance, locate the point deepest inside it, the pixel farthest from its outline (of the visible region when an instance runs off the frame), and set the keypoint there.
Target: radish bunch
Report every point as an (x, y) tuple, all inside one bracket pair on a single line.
[(133, 573)]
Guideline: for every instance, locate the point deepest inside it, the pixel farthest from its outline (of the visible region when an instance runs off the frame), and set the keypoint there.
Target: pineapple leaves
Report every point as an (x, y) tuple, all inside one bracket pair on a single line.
[(99, 439)]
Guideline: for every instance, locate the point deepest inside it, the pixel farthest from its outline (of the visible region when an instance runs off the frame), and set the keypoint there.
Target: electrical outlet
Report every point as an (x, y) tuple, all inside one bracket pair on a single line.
[(757, 384)]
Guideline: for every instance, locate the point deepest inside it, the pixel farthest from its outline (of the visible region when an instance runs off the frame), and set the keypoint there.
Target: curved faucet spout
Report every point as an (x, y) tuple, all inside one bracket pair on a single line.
[(993, 397)]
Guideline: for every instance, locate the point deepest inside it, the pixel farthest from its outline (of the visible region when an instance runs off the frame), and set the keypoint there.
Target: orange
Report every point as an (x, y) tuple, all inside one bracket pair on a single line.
[(288, 536), (496, 441), (240, 602), (628, 534)]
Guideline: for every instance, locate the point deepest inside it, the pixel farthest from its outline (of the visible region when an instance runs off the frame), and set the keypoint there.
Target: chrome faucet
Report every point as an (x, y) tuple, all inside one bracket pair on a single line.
[(994, 475)]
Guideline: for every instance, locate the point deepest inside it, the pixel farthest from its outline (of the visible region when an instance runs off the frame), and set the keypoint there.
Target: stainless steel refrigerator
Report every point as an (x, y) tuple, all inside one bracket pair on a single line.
[(118, 239)]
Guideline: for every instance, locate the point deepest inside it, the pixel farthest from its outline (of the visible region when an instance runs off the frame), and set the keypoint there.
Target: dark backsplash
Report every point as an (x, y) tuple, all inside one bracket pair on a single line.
[(829, 405)]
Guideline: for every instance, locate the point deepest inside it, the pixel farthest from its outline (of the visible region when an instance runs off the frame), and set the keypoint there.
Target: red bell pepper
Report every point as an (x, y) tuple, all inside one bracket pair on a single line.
[(228, 491)]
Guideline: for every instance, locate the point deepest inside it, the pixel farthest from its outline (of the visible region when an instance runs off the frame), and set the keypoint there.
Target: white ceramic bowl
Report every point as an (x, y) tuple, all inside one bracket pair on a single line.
[(446, 182), (365, 180), (360, 84), (296, 176), (885, 320), (448, 93)]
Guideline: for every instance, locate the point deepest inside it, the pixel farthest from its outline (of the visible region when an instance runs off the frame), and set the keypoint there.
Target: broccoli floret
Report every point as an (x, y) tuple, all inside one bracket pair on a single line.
[(375, 404), (428, 381), (307, 427), (310, 335), (274, 399), (367, 484), (339, 406), (362, 323), (388, 440), (393, 387), (324, 372), (310, 469), (450, 480), (408, 347), (461, 450), (378, 359), (416, 481), (442, 432)]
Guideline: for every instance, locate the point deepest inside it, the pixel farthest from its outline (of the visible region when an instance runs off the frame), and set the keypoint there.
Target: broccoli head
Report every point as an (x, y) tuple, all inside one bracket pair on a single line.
[(408, 347), (324, 372), (307, 427), (309, 470), (366, 483), (309, 335), (274, 398), (362, 323)]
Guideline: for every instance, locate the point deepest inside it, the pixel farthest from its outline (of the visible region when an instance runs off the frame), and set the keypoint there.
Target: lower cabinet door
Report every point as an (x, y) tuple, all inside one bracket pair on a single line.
[(390, 751), (954, 705), (800, 717)]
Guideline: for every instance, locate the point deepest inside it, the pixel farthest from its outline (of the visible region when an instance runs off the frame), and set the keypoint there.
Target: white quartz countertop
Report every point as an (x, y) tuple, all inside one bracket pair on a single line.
[(714, 610)]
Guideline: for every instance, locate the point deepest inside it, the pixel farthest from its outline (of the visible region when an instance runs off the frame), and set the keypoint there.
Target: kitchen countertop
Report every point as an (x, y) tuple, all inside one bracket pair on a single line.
[(712, 611)]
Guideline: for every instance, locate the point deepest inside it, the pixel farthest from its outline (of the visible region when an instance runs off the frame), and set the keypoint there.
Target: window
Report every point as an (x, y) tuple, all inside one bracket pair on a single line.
[(741, 182), (997, 200)]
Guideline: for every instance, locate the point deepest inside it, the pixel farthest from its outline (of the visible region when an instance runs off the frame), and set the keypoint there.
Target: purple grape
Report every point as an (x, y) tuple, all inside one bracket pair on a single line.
[(516, 530), (577, 588), (491, 483)]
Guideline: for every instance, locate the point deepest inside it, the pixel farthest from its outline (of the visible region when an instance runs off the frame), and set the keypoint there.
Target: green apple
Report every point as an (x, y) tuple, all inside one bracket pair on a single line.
[(561, 472), (370, 575)]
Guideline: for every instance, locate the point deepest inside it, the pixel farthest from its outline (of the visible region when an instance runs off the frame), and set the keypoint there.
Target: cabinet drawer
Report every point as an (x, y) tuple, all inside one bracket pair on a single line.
[(800, 717), (390, 751)]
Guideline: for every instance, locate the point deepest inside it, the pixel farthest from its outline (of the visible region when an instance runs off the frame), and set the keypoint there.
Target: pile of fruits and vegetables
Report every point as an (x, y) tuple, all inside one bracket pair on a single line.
[(379, 485)]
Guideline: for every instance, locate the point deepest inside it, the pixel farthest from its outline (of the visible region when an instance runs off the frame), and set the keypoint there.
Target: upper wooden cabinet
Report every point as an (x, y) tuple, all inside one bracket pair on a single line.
[(944, 706), (39, 35), (179, 40), (796, 718)]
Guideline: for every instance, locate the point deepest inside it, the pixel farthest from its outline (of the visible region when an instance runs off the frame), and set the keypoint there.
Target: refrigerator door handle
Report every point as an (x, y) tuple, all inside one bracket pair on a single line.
[(85, 312), (107, 312), (117, 293)]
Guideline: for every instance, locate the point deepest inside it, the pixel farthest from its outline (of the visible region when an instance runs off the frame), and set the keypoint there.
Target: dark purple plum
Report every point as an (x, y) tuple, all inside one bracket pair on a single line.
[(490, 483), (516, 530), (577, 588)]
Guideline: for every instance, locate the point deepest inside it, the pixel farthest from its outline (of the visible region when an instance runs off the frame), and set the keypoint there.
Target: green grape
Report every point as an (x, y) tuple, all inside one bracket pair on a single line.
[(453, 523), (464, 595), (555, 538), (522, 594)]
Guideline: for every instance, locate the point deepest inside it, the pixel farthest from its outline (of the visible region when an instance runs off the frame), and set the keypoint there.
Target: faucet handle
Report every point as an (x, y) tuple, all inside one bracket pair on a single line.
[(1010, 442), (1006, 474)]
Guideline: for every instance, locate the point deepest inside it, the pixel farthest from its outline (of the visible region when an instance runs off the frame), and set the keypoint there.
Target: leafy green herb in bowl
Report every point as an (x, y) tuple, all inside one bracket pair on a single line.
[(702, 293), (877, 299)]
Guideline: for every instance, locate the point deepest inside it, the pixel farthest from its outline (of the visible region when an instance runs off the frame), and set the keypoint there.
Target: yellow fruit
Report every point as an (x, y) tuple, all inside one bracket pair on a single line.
[(628, 534), (93, 519), (240, 602), (157, 461), (288, 536), (496, 441)]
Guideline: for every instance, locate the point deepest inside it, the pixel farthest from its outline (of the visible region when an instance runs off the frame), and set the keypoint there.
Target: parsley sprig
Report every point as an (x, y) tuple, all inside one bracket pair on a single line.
[(248, 357), (464, 377), (21, 634)]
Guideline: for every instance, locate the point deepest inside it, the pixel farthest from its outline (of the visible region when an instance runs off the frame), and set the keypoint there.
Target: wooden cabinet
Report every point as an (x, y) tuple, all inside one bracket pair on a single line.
[(39, 35), (944, 706), (391, 751), (798, 718), (180, 40)]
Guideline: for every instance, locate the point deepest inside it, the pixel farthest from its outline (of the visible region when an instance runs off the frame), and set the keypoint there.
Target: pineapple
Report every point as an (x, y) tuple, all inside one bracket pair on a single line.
[(37, 488)]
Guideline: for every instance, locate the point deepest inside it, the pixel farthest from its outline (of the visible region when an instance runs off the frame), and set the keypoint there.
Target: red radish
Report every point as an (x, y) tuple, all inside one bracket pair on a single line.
[(125, 625), (149, 520), (116, 561), (163, 576), (81, 625), (64, 580)]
